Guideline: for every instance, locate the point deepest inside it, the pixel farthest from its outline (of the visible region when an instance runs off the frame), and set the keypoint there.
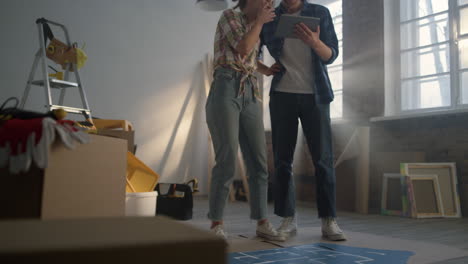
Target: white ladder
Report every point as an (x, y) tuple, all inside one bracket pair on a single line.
[(47, 82)]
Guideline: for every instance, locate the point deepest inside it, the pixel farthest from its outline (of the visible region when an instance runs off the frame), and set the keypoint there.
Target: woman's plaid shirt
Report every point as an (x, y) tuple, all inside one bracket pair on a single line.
[(232, 26)]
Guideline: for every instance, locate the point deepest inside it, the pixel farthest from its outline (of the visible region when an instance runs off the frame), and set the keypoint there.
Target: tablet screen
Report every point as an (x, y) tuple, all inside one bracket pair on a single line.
[(287, 22)]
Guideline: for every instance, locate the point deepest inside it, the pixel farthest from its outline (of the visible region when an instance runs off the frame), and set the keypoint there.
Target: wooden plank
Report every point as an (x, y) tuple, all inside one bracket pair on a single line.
[(358, 148), (362, 172)]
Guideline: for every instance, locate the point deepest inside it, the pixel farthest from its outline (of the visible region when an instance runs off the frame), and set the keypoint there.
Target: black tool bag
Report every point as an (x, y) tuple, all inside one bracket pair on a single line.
[(177, 203)]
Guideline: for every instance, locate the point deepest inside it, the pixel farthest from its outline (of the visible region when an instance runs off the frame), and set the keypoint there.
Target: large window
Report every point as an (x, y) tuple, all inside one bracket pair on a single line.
[(463, 47), (434, 59)]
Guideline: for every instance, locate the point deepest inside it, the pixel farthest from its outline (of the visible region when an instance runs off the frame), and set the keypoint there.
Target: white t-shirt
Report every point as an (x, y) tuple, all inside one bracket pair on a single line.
[(297, 59)]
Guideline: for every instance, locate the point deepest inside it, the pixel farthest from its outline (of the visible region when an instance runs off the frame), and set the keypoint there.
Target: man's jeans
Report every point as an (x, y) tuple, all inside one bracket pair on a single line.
[(285, 110), (236, 120)]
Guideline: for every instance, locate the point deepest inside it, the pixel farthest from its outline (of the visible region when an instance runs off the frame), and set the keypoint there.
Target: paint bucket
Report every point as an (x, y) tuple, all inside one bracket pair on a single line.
[(141, 203)]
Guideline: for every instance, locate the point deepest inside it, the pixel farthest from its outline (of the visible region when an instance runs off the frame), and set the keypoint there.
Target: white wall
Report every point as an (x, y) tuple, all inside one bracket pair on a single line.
[(392, 53), (144, 66)]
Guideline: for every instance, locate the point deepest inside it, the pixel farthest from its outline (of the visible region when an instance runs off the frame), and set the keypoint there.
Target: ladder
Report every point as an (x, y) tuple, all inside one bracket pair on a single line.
[(49, 82)]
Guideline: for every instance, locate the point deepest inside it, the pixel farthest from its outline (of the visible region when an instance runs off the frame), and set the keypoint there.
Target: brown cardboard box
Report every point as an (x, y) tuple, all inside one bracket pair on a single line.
[(127, 135), (111, 240), (88, 181)]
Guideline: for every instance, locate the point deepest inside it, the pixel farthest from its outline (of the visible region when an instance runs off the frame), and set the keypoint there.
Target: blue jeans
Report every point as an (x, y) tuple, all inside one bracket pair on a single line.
[(285, 110), (236, 120)]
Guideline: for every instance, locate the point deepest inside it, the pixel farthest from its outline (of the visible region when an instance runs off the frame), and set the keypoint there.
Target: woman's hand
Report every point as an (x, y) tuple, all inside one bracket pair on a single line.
[(265, 15), (273, 69), (268, 71)]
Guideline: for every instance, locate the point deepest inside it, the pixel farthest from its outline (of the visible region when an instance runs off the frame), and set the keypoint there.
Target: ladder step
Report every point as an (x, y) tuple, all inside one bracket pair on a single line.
[(69, 109), (55, 83)]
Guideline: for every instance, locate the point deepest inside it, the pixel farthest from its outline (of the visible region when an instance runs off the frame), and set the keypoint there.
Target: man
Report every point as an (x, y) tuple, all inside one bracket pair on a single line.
[(301, 90)]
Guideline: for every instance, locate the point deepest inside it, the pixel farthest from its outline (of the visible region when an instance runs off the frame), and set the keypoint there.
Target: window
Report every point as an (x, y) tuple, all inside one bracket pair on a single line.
[(434, 59), (463, 48), (335, 71)]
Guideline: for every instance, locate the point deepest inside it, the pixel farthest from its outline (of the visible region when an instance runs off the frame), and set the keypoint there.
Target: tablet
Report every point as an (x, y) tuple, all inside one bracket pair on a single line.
[(287, 22)]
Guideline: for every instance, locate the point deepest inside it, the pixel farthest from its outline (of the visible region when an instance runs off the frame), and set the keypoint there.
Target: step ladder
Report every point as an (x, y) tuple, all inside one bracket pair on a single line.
[(53, 83)]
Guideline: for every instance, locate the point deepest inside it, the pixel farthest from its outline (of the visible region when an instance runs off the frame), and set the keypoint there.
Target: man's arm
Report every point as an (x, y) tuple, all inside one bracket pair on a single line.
[(329, 38), (312, 39), (324, 41)]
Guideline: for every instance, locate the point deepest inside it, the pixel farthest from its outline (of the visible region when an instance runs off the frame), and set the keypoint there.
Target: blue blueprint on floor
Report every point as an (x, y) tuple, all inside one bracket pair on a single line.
[(321, 253)]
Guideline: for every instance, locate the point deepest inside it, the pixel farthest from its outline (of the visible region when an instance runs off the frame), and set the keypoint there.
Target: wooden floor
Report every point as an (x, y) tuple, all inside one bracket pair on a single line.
[(450, 232)]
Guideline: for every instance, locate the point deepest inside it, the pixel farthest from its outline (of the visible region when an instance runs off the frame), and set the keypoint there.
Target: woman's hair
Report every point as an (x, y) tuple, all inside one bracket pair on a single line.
[(241, 4)]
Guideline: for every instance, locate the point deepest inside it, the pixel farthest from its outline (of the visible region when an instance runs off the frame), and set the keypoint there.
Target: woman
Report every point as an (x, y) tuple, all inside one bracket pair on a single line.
[(234, 112)]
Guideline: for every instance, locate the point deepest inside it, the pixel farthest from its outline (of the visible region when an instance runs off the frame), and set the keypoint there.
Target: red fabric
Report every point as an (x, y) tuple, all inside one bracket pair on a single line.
[(16, 131)]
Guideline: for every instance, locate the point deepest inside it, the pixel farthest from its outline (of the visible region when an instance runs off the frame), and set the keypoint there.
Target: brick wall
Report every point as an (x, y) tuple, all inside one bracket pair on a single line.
[(441, 138)]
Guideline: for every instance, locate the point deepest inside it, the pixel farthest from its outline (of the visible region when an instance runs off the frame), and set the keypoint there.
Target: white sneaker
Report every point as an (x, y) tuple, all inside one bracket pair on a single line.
[(331, 230), (267, 231), (288, 226), (219, 231)]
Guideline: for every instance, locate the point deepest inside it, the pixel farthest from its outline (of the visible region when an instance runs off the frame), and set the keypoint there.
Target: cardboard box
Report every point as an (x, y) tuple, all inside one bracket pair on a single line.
[(88, 181), (112, 240), (23, 196), (127, 135)]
